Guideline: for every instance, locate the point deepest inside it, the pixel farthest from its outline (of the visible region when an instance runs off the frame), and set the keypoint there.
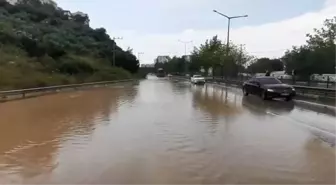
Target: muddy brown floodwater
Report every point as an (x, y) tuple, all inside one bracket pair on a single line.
[(164, 131)]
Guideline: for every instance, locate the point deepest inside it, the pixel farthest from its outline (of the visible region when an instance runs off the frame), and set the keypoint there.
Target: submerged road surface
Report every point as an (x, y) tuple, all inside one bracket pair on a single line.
[(164, 131)]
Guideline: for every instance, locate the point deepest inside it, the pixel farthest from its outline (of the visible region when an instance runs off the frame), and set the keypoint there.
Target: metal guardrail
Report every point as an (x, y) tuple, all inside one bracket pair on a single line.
[(23, 92), (300, 90), (317, 91)]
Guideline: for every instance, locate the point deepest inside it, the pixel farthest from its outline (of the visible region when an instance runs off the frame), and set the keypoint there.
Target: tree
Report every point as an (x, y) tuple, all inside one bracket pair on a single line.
[(211, 54), (317, 55), (41, 28), (262, 65), (57, 43)]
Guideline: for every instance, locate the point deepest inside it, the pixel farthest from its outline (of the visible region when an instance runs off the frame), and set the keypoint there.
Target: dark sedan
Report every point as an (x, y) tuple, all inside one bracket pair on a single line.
[(268, 88)]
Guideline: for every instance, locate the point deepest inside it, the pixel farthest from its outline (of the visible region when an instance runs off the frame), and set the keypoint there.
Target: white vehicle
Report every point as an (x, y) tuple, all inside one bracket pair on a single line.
[(197, 79), (259, 74)]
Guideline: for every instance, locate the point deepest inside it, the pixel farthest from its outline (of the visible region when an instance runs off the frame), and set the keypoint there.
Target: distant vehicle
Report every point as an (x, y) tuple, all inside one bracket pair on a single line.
[(268, 88), (285, 77), (160, 73), (169, 75), (259, 74), (281, 75), (197, 79)]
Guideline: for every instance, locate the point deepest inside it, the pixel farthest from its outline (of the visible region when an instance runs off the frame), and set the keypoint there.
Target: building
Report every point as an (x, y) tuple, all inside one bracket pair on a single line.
[(187, 58), (161, 59), (80, 14), (147, 65)]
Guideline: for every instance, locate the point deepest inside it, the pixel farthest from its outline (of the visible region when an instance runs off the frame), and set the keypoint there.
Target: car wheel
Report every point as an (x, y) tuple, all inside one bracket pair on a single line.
[(245, 92), (288, 98)]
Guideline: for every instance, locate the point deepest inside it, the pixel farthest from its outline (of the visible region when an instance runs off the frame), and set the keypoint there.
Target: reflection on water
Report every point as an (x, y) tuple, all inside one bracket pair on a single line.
[(261, 107), (33, 130), (159, 131), (215, 101)]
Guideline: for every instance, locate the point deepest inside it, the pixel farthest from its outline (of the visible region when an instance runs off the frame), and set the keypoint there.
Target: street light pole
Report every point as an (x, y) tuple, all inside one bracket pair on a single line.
[(228, 37), (185, 45), (229, 23), (114, 48), (185, 52), (228, 29)]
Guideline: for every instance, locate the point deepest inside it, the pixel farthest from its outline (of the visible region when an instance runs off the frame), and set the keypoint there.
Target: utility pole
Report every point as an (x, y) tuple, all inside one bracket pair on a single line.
[(114, 48), (185, 52), (228, 28)]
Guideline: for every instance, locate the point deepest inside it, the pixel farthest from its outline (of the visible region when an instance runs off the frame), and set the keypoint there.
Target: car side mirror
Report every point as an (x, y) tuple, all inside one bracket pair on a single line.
[(258, 84)]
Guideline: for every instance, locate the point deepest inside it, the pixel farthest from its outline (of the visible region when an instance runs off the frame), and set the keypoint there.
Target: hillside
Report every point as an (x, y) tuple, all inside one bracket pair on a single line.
[(41, 44)]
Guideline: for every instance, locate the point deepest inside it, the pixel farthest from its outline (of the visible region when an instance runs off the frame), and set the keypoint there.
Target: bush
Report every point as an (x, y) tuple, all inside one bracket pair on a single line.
[(41, 28), (18, 71)]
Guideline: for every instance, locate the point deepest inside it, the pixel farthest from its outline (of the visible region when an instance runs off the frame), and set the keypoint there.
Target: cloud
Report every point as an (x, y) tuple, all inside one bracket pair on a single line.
[(269, 40), (330, 3), (155, 26)]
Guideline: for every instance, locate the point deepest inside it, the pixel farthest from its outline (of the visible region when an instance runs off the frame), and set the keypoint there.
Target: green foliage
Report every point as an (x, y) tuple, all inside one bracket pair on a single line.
[(317, 55), (212, 54), (175, 64), (262, 65), (56, 44), (18, 70)]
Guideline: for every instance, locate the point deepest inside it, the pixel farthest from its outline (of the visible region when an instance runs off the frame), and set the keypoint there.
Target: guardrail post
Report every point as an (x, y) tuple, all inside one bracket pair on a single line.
[(23, 95), (293, 78), (328, 80)]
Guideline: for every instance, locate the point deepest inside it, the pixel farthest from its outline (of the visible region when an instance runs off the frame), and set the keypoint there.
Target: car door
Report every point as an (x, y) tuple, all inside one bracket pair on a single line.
[(249, 86), (255, 86)]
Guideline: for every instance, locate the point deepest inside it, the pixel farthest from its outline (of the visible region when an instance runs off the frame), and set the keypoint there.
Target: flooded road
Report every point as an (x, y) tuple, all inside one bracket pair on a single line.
[(164, 131)]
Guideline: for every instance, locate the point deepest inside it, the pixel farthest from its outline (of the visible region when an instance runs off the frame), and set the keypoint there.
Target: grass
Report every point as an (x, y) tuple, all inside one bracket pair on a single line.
[(19, 71)]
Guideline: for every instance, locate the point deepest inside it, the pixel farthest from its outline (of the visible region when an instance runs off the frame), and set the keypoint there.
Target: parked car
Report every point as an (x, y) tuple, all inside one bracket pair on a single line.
[(197, 79), (268, 88)]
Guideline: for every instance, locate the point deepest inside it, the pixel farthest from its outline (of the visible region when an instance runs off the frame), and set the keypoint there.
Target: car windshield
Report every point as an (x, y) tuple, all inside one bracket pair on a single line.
[(197, 76), (269, 81)]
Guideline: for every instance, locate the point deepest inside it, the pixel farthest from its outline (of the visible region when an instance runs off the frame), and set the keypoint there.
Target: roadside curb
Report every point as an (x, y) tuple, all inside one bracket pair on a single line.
[(327, 107)]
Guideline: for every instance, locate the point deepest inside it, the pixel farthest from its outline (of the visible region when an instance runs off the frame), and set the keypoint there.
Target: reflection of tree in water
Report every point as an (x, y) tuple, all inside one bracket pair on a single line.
[(215, 103), (32, 130), (260, 107), (180, 87)]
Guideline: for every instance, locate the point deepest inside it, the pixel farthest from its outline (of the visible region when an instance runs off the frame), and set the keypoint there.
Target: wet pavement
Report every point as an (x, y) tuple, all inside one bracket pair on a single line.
[(164, 131)]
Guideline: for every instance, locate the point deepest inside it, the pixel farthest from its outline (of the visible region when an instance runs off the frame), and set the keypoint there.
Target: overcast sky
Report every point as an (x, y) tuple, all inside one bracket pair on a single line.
[(155, 26)]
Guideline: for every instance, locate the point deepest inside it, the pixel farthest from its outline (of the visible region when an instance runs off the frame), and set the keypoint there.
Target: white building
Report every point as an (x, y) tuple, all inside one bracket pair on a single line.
[(281, 75), (147, 65), (162, 59)]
